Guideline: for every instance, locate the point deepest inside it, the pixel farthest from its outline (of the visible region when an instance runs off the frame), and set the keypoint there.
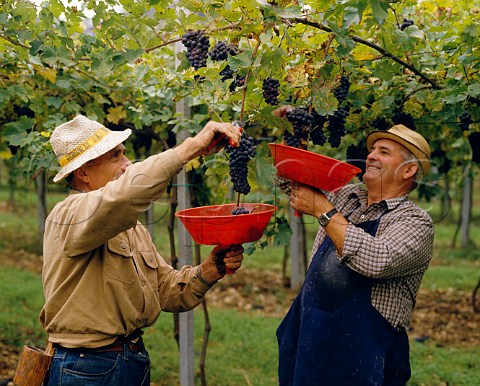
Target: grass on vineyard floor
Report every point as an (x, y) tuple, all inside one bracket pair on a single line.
[(242, 348)]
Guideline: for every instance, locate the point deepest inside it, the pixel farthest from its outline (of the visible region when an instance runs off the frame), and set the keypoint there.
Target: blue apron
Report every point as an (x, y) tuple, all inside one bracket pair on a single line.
[(332, 335)]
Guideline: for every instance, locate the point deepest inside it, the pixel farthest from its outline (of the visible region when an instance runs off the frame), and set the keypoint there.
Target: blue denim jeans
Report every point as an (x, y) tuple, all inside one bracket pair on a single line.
[(87, 368)]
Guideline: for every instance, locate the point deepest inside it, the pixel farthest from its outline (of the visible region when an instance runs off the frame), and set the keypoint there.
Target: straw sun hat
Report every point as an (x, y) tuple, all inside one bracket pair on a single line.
[(407, 138), (81, 140)]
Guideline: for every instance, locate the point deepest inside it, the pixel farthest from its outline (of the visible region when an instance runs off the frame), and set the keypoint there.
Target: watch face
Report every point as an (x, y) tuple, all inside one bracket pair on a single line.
[(323, 220)]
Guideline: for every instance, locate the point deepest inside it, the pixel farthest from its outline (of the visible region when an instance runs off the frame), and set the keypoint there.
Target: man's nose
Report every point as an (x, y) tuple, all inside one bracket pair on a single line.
[(126, 163)]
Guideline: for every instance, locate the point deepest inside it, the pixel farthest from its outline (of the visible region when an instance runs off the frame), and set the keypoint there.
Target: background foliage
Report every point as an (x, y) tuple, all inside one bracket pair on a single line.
[(114, 61)]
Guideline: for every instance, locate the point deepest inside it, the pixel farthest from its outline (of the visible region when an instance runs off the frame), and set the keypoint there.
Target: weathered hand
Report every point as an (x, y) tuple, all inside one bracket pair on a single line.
[(215, 136), (220, 259), (307, 200)]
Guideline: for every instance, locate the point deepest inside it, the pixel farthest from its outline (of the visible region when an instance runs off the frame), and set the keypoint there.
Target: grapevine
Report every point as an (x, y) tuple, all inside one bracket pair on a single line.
[(197, 44)]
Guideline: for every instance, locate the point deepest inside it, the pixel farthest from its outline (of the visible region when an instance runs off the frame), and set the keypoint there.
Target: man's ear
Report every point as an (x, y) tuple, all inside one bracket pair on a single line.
[(81, 174), (410, 170)]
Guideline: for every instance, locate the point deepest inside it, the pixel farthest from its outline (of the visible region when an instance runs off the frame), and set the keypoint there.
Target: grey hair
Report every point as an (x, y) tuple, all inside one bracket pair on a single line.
[(409, 157)]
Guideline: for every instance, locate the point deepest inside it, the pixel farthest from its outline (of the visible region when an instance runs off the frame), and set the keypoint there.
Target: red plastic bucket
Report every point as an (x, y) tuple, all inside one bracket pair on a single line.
[(311, 168), (215, 224)]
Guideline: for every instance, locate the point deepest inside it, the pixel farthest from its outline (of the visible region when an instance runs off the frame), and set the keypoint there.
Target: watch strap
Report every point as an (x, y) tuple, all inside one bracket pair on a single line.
[(327, 216)]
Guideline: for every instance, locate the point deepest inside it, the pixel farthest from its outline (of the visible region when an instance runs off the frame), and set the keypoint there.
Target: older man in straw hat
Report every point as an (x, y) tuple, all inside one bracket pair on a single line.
[(102, 277), (348, 324)]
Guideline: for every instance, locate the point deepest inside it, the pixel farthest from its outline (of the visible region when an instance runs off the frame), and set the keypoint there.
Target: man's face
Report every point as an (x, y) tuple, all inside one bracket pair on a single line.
[(108, 167), (386, 164)]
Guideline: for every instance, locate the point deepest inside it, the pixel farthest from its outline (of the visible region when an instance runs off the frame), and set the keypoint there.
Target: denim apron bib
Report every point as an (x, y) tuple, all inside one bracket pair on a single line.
[(332, 335)]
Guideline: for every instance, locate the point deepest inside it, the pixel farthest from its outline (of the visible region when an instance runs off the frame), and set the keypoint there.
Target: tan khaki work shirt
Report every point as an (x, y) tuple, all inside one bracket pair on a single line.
[(102, 276)]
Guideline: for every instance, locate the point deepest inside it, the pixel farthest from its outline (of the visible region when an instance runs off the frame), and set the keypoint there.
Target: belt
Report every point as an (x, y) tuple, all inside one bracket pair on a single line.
[(134, 343), (134, 347)]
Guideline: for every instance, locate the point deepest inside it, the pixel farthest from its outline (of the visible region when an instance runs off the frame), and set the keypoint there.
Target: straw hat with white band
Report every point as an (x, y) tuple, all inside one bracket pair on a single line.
[(81, 140), (408, 138)]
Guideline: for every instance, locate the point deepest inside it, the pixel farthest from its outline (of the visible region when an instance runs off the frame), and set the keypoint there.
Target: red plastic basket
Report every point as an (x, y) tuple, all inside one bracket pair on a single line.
[(311, 168), (215, 224)]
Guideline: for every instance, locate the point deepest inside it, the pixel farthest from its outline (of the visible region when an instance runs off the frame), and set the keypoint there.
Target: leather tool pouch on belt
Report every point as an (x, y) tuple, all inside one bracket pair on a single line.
[(33, 366)]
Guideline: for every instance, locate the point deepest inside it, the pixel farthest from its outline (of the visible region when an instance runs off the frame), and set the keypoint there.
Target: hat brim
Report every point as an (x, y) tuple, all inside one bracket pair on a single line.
[(110, 141), (422, 158)]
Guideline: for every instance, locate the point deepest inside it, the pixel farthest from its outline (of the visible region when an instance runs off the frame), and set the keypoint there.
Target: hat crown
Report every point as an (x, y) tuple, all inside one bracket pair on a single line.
[(412, 137), (80, 140), (71, 134)]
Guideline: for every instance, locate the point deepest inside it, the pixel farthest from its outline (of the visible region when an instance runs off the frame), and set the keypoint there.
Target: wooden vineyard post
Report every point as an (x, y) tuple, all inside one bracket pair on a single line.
[(184, 254)]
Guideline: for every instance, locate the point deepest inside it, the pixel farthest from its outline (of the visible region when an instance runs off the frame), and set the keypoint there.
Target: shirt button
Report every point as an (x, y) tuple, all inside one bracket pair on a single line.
[(123, 245), (362, 216)]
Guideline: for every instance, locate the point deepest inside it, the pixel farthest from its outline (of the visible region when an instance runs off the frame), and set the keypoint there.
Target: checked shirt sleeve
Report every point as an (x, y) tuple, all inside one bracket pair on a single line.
[(402, 246)]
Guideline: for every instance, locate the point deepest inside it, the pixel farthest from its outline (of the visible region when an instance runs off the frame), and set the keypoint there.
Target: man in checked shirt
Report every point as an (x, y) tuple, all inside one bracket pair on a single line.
[(348, 324)]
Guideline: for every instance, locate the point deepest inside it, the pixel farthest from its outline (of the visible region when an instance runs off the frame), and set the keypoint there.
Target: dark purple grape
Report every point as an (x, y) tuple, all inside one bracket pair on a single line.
[(240, 210)]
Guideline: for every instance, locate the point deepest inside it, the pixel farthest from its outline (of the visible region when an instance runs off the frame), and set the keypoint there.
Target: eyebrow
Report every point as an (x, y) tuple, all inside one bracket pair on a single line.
[(380, 147)]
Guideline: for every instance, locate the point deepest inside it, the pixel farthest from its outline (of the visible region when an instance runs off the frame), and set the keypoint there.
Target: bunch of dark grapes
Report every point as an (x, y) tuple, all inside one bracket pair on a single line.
[(465, 121), (226, 73), (301, 121), (357, 155), (380, 124), (240, 210), (220, 52), (406, 23), (336, 126), (270, 88), (197, 44), (317, 135), (239, 157), (341, 91), (239, 81), (402, 118), (474, 139), (291, 140)]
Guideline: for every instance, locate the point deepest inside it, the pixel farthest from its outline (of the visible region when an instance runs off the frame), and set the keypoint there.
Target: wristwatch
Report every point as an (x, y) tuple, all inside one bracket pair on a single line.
[(324, 218)]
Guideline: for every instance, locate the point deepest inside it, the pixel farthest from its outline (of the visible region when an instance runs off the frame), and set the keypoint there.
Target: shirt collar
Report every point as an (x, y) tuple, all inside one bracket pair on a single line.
[(389, 204)]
